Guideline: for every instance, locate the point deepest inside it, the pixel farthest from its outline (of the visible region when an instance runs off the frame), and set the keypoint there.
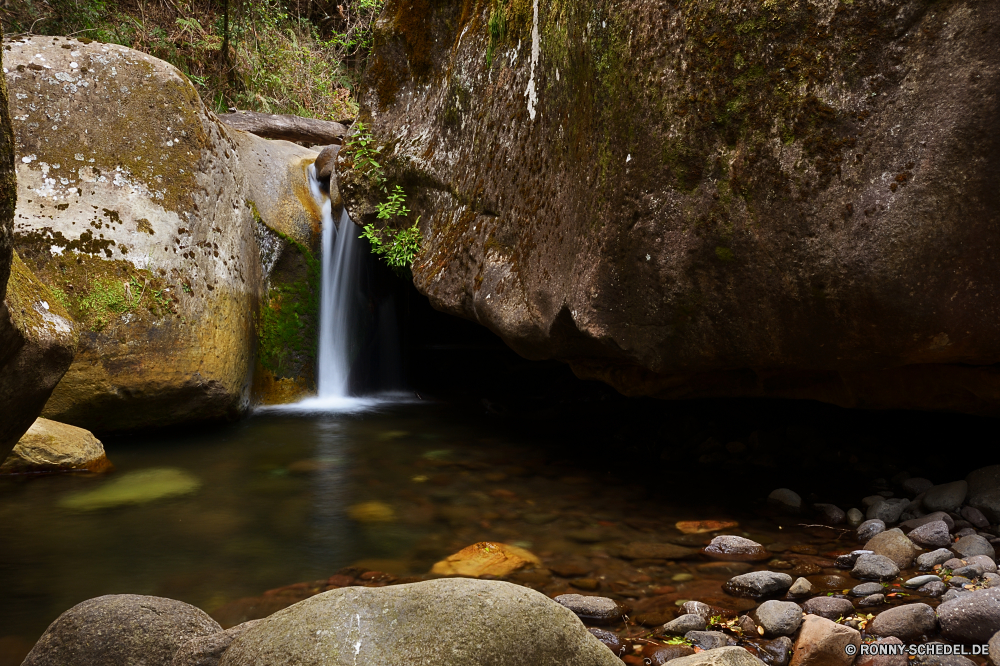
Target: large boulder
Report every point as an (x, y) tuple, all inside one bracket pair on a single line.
[(137, 208), (789, 199), (49, 446), (121, 630), (984, 491), (446, 622)]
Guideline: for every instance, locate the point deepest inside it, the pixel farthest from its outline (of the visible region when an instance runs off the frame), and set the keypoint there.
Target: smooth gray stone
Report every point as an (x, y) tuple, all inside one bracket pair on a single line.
[(708, 640), (870, 528), (830, 607), (875, 567), (928, 561), (972, 545), (757, 584), (907, 622), (946, 497), (919, 581), (865, 589), (685, 623), (778, 618), (931, 535)]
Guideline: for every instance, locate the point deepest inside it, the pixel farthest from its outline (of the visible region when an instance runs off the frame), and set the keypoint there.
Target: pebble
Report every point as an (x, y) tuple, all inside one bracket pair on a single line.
[(916, 485), (908, 622), (610, 639), (800, 588), (869, 529), (946, 497), (872, 600), (591, 608), (969, 546), (830, 514), (778, 618), (854, 517), (685, 623), (934, 588), (972, 618), (736, 549), (847, 561), (785, 498), (927, 561), (758, 584), (708, 640), (830, 607), (975, 516), (931, 535), (866, 589), (875, 567), (919, 581)]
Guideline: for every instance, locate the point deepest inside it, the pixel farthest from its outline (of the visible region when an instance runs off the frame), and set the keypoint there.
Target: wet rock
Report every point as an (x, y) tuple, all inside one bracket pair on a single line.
[(972, 545), (869, 529), (778, 650), (847, 560), (972, 618), (758, 584), (326, 162), (829, 607), (984, 491), (875, 567), (894, 545), (800, 588), (854, 517), (207, 650), (685, 623), (747, 625), (787, 499), (446, 622), (830, 514), (908, 622), (975, 516), (722, 656), (883, 660), (708, 640), (946, 497), (640, 550), (865, 589), (661, 654), (486, 558), (599, 609), (935, 588), (611, 640), (120, 629), (888, 511), (931, 535), (916, 485), (920, 581), (49, 446), (704, 611), (871, 600), (927, 561), (137, 487), (735, 548), (778, 618), (821, 642)]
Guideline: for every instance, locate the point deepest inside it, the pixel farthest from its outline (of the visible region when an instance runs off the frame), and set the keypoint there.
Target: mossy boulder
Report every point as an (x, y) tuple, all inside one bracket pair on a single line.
[(781, 198), (155, 225)]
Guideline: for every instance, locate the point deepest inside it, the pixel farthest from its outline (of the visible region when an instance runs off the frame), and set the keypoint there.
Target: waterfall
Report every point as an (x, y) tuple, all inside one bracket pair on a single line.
[(357, 325)]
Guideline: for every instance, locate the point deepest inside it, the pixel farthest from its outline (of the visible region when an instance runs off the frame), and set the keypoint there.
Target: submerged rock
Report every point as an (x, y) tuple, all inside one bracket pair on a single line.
[(119, 630), (137, 487), (486, 558), (639, 177), (50, 446), (451, 622)]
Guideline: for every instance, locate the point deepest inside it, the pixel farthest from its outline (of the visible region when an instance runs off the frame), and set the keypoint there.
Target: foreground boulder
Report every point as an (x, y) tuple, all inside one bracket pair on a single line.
[(135, 207), (448, 622), (120, 630), (706, 198), (49, 446), (971, 618)]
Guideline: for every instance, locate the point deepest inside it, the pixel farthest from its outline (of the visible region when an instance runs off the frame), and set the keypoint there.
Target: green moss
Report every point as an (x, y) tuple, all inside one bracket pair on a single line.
[(289, 319), (724, 254)]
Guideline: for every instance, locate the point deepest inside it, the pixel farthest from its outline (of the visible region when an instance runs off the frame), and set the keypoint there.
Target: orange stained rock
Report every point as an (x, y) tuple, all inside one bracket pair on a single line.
[(704, 526), (486, 558)]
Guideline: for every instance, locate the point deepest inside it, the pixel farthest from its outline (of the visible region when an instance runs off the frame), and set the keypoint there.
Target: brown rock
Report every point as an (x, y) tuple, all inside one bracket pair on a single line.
[(883, 660), (486, 558), (50, 446), (326, 163), (894, 545), (682, 289), (821, 642)]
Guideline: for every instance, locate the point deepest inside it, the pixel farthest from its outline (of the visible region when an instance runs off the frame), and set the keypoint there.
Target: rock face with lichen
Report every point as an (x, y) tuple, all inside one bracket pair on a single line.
[(791, 198), (154, 225), (37, 337)]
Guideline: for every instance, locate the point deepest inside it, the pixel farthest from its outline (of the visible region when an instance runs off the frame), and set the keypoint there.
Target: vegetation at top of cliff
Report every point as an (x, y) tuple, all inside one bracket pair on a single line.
[(276, 56)]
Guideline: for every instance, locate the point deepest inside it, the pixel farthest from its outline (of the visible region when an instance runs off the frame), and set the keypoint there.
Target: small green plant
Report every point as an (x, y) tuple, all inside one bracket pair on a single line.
[(395, 206), (397, 246), (365, 150)]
